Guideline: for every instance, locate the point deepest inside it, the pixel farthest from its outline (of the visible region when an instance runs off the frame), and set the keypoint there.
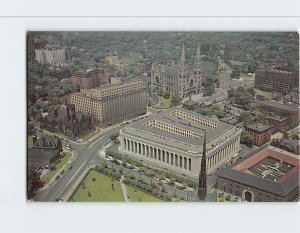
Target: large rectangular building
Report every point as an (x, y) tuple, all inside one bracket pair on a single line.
[(279, 79), (267, 174), (112, 104), (173, 140), (50, 54)]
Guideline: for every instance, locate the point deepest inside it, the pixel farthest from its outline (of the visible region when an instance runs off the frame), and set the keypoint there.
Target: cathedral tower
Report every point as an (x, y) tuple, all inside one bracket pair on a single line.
[(197, 70), (182, 75), (202, 188)]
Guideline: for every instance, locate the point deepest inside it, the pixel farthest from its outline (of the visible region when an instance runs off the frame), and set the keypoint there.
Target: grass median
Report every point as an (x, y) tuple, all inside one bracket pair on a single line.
[(48, 176)]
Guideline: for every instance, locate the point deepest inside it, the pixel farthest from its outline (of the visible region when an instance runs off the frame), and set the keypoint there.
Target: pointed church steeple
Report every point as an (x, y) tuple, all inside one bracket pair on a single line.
[(202, 188), (182, 62), (197, 59)]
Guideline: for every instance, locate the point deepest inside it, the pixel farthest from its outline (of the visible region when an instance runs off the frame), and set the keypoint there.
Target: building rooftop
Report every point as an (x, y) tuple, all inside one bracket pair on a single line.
[(267, 168), (180, 128), (259, 127), (277, 105), (40, 154)]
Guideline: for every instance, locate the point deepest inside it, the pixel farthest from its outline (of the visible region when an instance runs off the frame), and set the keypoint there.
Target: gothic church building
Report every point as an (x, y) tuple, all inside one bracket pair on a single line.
[(178, 78)]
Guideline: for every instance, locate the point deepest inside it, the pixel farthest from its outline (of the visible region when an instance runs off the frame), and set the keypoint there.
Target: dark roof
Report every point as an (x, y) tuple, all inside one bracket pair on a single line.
[(281, 189), (277, 105), (40, 154), (44, 140), (171, 70), (259, 127)]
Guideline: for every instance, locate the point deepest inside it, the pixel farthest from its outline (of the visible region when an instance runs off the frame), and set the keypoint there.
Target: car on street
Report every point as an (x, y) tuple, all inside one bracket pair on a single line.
[(71, 161), (62, 172), (70, 168), (57, 177)]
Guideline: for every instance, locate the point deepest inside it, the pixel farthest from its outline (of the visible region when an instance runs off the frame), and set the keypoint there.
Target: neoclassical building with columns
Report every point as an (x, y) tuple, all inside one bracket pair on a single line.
[(172, 140)]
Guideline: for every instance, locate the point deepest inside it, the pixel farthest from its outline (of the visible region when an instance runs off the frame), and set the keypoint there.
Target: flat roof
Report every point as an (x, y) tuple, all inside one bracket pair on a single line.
[(268, 169), (259, 126), (277, 105), (143, 130)]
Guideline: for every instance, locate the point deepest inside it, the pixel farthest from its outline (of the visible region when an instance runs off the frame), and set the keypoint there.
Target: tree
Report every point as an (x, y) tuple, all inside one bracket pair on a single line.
[(247, 139), (295, 136), (260, 117), (275, 142), (277, 96), (245, 117), (114, 137), (160, 92), (175, 99), (235, 73), (33, 182), (166, 95)]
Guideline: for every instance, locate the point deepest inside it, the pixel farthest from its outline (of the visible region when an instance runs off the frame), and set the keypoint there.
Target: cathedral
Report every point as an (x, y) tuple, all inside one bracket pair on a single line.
[(178, 78)]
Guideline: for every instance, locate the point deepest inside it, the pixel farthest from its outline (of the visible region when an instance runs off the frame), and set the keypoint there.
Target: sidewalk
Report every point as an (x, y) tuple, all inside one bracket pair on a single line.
[(124, 190)]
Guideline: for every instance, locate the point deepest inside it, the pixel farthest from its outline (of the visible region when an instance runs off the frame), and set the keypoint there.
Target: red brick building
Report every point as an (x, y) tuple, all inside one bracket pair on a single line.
[(261, 132), (280, 79), (279, 115), (89, 78)]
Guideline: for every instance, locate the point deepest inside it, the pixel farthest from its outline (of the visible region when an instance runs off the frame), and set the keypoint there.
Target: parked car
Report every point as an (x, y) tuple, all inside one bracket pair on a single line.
[(70, 168), (57, 177), (62, 172)]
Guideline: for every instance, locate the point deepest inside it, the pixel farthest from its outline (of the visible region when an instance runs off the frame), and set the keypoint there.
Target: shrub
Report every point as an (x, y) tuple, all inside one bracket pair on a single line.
[(168, 197), (94, 179), (89, 193)]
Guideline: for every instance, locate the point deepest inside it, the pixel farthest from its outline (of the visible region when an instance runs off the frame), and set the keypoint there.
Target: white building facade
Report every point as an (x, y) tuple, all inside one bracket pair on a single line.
[(172, 140)]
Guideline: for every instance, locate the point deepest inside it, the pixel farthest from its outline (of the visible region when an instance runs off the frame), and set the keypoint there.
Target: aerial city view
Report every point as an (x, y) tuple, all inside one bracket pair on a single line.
[(162, 116)]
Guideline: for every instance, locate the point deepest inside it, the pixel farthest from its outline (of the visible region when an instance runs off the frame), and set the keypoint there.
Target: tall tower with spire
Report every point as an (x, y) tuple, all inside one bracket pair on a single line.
[(197, 70), (182, 62), (197, 60), (202, 188), (182, 74)]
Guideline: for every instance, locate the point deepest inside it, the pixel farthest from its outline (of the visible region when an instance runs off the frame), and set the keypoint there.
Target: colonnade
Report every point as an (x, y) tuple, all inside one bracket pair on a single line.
[(158, 154), (179, 161), (223, 153)]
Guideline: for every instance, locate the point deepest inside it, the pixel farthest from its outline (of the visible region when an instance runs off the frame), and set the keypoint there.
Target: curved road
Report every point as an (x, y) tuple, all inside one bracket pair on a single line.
[(86, 156)]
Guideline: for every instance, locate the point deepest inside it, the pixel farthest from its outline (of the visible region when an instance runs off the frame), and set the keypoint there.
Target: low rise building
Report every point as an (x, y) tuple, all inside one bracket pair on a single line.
[(67, 121), (261, 132), (279, 115), (41, 157), (267, 174)]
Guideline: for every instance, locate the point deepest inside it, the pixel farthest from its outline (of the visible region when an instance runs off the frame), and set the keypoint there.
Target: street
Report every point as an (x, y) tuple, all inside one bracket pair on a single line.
[(86, 156)]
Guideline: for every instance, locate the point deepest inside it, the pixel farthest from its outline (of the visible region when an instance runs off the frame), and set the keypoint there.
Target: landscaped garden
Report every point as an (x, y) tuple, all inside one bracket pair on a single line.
[(56, 167), (164, 103), (136, 195), (98, 187)]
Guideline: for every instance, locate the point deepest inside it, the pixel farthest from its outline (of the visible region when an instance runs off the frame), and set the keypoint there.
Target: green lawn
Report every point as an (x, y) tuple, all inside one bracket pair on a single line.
[(165, 103), (89, 135), (47, 177), (140, 195), (100, 189)]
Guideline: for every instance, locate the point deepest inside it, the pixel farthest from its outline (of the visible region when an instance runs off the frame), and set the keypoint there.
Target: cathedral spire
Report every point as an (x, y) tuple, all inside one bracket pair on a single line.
[(197, 60), (182, 58), (182, 62), (202, 189)]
